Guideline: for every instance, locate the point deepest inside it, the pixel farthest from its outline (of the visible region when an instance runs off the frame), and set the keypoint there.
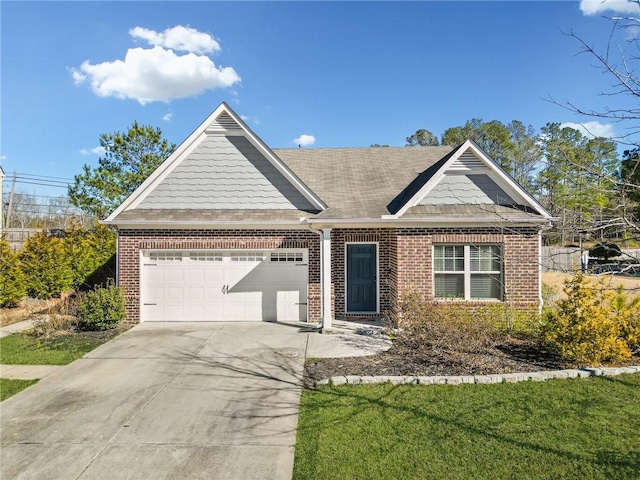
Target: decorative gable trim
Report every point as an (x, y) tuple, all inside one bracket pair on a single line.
[(470, 158), (223, 121), (224, 124), (467, 162)]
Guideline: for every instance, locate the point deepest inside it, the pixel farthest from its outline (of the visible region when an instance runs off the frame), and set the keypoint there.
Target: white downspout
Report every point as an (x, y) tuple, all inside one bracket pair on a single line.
[(326, 278), (540, 299)]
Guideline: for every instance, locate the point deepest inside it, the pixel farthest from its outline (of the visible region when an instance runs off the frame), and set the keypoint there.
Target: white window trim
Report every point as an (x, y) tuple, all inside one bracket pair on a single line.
[(467, 272), (346, 302)]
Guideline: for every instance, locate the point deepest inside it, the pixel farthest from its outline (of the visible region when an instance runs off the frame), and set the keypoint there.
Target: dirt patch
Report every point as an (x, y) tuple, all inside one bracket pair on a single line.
[(28, 307), (511, 356)]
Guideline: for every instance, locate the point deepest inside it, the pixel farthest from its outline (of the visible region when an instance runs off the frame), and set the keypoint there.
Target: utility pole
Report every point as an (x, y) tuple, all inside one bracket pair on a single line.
[(2, 175), (13, 187)]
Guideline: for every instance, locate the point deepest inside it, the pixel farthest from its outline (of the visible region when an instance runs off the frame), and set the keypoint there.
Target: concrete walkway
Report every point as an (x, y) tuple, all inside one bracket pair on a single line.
[(16, 327)]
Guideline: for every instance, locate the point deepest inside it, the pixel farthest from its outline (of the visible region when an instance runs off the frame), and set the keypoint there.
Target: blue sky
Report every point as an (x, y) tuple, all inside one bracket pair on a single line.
[(344, 73)]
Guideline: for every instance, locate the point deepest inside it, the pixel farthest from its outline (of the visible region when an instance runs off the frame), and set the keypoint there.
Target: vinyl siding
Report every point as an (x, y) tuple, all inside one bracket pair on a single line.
[(467, 190), (225, 173)]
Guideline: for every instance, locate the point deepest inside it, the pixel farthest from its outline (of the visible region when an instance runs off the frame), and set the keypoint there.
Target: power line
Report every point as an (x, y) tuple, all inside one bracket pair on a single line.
[(34, 176), (54, 185)]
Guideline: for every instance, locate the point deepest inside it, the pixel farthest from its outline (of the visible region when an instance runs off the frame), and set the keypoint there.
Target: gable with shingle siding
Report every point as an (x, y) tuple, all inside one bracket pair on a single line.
[(224, 173), (467, 190)]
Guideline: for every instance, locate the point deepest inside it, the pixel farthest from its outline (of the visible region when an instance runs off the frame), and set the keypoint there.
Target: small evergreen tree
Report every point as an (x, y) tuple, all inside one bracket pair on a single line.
[(12, 281), (46, 266)]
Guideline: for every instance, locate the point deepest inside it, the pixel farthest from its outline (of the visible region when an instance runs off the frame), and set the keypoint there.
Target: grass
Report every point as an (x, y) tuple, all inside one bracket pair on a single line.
[(25, 349), (611, 282), (9, 387), (559, 429)]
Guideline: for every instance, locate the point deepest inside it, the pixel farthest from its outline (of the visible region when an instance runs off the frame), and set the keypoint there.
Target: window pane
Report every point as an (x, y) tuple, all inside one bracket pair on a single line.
[(448, 258), (449, 285), (485, 286), (485, 258)]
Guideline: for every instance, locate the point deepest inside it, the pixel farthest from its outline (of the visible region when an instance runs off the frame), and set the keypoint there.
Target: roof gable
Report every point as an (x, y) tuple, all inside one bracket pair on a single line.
[(222, 165), (467, 176)]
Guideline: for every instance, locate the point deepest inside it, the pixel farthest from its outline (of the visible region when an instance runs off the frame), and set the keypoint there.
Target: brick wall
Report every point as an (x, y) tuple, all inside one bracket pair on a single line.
[(405, 259), (520, 258), (130, 242)]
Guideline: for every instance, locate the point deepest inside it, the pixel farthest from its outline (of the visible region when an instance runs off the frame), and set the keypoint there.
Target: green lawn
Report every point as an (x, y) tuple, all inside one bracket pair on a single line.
[(560, 429), (10, 387), (24, 349)]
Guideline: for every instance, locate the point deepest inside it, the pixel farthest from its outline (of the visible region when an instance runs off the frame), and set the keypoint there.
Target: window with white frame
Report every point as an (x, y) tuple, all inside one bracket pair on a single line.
[(468, 272)]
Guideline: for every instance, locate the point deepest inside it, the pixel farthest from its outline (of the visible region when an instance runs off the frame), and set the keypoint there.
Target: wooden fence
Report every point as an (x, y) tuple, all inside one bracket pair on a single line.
[(17, 236), (566, 259)]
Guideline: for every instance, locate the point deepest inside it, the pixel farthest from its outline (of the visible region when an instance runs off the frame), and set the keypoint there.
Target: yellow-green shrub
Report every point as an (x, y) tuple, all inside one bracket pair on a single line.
[(12, 282), (584, 327), (46, 265), (88, 251), (627, 312)]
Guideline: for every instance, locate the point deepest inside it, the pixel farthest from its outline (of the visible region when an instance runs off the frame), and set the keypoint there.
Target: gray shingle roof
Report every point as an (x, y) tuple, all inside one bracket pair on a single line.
[(355, 183), (360, 182), (163, 215), (480, 212)]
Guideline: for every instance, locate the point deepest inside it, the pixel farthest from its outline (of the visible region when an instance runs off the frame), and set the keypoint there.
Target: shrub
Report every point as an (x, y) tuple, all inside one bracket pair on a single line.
[(88, 251), (102, 308), (550, 295), (46, 266), (627, 312), (12, 281), (584, 328), (605, 250), (442, 326), (48, 326)]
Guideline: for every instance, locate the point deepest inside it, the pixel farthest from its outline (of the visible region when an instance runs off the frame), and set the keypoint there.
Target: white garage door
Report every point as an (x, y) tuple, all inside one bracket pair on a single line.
[(224, 285)]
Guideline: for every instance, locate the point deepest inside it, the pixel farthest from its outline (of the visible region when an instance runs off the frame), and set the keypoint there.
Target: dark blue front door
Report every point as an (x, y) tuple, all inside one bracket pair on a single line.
[(361, 277)]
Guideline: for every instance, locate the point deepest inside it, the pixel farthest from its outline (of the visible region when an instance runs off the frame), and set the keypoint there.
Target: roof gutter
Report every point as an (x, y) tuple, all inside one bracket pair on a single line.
[(327, 221), (423, 221)]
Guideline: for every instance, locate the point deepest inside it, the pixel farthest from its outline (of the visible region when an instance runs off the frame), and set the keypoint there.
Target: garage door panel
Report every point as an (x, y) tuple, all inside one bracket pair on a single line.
[(224, 286), (173, 313), (196, 293), (171, 276), (215, 275), (194, 275)]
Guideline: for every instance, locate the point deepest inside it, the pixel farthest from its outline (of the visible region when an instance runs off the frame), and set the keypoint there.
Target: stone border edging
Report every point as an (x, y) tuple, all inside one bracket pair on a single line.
[(472, 379)]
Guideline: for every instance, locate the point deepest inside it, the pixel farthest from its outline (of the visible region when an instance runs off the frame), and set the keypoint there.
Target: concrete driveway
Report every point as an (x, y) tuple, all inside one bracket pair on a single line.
[(163, 401)]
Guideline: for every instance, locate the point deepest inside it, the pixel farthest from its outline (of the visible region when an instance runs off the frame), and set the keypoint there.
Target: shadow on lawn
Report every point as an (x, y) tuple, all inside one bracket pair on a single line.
[(613, 464)]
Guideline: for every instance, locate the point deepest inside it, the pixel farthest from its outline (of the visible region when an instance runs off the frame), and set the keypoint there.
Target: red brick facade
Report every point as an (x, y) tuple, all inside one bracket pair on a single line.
[(404, 255)]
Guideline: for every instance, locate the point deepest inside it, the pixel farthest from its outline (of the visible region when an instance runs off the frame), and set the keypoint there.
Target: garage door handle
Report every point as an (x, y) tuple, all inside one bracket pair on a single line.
[(301, 303), (150, 304)]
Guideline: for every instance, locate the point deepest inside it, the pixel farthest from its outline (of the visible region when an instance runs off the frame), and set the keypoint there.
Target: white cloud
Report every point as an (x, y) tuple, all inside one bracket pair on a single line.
[(158, 74), (305, 140), (248, 119), (3, 157), (180, 38), (591, 129), (95, 151), (594, 7), (155, 75), (167, 117)]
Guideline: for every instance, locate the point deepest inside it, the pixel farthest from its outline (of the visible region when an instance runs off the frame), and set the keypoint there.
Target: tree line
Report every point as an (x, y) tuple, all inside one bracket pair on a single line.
[(592, 191)]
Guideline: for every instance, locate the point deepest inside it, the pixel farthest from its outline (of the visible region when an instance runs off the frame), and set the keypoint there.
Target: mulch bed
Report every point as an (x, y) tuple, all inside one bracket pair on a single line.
[(512, 356)]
